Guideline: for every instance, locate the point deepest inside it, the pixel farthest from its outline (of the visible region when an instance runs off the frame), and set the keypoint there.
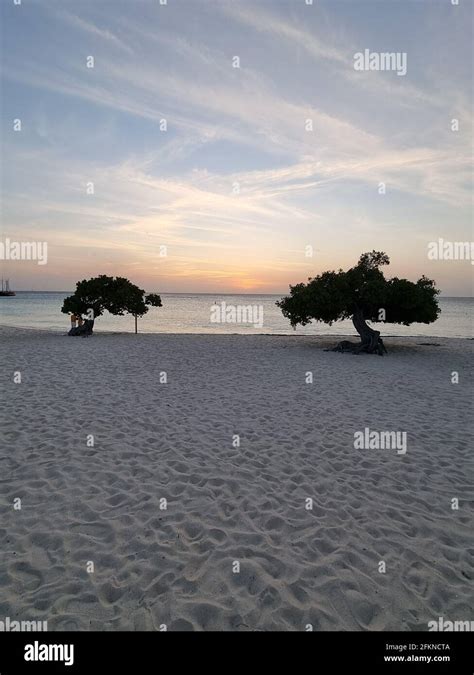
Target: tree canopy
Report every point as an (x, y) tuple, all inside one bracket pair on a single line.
[(362, 293), (116, 295)]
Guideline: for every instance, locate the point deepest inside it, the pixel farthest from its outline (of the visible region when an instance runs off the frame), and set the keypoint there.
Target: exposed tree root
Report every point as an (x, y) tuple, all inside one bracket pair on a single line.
[(373, 347), (85, 330)]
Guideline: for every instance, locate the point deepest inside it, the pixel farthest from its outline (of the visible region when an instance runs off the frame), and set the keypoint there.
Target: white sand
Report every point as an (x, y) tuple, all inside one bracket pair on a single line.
[(227, 504)]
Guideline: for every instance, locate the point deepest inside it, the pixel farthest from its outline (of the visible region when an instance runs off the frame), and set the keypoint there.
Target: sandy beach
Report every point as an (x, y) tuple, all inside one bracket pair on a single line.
[(100, 501)]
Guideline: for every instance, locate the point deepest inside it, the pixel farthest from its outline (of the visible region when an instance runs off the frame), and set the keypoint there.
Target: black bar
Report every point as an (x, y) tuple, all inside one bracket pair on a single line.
[(146, 652)]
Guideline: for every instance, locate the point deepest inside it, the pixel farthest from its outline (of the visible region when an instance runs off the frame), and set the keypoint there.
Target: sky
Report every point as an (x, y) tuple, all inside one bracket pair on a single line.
[(231, 145)]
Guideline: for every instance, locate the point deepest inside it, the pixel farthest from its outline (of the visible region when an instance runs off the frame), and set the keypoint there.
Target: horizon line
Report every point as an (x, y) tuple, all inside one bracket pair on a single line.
[(466, 297)]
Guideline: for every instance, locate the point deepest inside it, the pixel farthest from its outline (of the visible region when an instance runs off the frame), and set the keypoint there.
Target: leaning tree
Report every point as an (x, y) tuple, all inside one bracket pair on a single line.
[(362, 294), (116, 295)]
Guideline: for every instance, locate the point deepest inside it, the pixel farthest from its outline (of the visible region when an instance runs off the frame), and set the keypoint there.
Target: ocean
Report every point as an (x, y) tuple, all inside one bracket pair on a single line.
[(192, 313)]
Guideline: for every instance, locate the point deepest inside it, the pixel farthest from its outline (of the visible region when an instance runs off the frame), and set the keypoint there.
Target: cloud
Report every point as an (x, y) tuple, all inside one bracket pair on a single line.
[(83, 25), (224, 125)]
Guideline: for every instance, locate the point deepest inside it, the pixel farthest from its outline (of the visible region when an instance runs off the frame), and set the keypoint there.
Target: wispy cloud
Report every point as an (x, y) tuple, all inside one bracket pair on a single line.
[(103, 34)]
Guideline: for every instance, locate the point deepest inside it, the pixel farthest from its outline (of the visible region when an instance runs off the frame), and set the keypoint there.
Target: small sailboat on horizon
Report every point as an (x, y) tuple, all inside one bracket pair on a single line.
[(6, 292)]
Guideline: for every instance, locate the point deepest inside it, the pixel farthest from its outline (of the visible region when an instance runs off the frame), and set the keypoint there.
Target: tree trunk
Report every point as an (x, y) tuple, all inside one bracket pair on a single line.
[(370, 340), (136, 327)]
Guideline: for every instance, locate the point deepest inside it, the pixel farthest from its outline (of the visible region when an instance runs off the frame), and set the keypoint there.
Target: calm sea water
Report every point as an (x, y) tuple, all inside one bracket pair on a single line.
[(182, 313)]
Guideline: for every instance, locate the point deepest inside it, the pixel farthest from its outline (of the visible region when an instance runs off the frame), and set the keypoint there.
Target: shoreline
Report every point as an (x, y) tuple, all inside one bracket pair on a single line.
[(57, 331)]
